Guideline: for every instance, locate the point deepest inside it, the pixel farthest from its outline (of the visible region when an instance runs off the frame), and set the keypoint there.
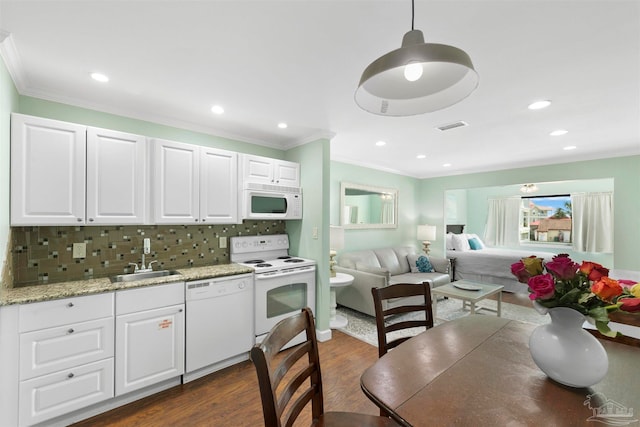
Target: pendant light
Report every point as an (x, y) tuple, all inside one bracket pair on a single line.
[(417, 78)]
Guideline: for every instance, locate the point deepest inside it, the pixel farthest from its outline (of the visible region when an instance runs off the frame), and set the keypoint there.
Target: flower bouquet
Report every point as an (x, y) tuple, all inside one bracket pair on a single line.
[(584, 287)]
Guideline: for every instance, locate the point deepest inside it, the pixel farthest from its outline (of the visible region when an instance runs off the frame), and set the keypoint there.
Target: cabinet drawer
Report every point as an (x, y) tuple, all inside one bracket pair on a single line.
[(50, 350), (150, 297), (60, 312), (52, 395)]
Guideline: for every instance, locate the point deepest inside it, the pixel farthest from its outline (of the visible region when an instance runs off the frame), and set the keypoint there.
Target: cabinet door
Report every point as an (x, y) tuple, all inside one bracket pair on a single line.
[(286, 173), (149, 347), (116, 184), (176, 182), (257, 169), (47, 171), (218, 186), (49, 396)]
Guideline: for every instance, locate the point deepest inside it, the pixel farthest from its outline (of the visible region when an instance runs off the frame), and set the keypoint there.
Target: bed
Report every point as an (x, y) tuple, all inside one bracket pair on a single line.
[(476, 262)]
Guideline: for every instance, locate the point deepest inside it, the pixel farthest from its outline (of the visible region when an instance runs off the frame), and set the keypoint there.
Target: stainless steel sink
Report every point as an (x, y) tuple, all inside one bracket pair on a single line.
[(142, 275)]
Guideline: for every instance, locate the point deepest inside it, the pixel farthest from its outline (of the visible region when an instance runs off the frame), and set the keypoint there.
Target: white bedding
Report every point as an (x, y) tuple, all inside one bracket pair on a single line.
[(492, 266)]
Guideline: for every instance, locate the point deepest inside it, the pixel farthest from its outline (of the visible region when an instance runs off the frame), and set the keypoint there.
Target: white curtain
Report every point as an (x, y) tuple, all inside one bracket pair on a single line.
[(387, 213), (503, 222), (592, 222)]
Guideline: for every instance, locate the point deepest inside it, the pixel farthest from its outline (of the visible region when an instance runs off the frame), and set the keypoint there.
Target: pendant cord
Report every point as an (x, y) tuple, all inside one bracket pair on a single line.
[(413, 6)]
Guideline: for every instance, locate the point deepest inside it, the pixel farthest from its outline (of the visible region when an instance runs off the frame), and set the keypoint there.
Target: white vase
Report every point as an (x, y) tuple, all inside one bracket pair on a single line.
[(567, 353)]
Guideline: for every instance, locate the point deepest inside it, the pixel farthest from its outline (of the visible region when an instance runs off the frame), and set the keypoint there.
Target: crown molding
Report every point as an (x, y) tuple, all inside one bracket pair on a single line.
[(12, 61)]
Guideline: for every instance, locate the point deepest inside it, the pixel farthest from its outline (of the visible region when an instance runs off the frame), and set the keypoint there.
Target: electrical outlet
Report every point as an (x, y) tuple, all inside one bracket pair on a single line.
[(79, 250), (223, 242), (315, 232)]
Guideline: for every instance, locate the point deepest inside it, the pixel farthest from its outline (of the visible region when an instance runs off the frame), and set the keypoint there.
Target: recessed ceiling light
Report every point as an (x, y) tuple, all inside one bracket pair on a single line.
[(538, 105), (381, 143), (421, 156), (570, 147), (216, 109), (559, 132), (282, 125), (446, 165), (99, 77)]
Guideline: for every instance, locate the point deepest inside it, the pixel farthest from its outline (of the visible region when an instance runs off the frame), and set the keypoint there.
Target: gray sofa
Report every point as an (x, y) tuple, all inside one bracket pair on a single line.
[(382, 267)]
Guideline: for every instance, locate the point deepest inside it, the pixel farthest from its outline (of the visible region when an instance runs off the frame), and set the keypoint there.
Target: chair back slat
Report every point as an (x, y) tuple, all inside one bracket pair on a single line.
[(391, 319)]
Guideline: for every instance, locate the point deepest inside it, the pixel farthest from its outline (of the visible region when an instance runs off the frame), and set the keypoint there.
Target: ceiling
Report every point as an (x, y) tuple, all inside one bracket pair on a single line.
[(299, 62)]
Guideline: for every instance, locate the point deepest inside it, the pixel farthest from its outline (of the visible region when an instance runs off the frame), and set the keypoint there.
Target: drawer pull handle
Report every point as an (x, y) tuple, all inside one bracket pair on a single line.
[(70, 305), (70, 375), (180, 310), (71, 331)]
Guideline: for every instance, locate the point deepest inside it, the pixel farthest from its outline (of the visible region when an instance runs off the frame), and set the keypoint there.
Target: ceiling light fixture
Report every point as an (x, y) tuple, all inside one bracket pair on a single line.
[(99, 77), (539, 105), (569, 148), (529, 188), (446, 165), (282, 125), (216, 109), (559, 132), (421, 156), (417, 78), (381, 143)]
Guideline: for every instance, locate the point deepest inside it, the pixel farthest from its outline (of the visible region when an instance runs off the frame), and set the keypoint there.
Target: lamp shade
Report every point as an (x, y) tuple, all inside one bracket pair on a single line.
[(442, 76), (426, 232), (336, 237)]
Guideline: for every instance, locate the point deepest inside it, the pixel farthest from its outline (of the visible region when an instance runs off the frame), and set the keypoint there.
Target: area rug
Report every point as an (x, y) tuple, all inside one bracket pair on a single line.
[(363, 326)]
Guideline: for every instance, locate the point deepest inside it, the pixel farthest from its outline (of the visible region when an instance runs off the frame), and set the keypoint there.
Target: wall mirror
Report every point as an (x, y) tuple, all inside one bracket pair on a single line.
[(364, 206)]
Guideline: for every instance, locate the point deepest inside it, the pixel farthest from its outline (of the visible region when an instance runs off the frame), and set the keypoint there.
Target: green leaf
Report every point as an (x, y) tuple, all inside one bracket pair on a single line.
[(604, 329)]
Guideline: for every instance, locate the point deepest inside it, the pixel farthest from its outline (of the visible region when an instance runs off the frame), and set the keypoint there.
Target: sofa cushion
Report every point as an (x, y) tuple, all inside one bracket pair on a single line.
[(393, 259), (435, 279), (362, 258), (374, 270)]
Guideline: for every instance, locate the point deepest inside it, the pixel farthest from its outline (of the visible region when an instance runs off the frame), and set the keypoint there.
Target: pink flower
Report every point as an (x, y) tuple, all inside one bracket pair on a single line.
[(562, 267), (630, 305), (541, 287), (518, 269)]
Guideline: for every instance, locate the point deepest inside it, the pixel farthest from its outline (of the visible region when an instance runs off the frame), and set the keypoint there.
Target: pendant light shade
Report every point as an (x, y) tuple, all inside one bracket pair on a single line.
[(417, 78)]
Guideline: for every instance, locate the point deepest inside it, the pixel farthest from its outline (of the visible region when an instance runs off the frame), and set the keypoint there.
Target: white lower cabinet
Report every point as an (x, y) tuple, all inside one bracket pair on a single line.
[(149, 336), (66, 350)]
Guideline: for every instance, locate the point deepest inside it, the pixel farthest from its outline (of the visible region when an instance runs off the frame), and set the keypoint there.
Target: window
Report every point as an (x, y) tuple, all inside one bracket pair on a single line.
[(546, 219)]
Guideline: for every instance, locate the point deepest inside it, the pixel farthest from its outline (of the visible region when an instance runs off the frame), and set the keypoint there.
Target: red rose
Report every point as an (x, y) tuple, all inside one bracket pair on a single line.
[(518, 269), (562, 267), (541, 287), (593, 270), (630, 305), (606, 289)]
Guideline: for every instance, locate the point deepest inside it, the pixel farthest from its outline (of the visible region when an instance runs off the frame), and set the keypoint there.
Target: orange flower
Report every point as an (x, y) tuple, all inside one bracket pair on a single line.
[(606, 289), (593, 270)]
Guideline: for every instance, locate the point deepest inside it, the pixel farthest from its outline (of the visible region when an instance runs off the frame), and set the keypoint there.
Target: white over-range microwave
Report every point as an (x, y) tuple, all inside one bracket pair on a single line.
[(264, 201)]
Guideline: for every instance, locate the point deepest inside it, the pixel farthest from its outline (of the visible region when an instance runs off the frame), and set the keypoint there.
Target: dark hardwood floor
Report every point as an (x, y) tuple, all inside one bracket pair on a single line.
[(231, 398)]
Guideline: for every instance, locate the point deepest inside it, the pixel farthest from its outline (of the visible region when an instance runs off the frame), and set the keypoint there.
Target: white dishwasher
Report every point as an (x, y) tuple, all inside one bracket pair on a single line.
[(219, 324)]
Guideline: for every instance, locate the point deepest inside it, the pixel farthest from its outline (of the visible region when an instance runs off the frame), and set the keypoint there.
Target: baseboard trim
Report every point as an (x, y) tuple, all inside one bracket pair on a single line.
[(324, 335)]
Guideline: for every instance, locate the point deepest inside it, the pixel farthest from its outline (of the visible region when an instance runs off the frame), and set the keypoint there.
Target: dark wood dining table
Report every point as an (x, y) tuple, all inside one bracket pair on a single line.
[(477, 371)]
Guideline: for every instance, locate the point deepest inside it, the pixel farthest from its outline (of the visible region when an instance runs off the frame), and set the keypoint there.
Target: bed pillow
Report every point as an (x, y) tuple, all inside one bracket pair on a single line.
[(420, 264), (461, 243), (478, 241), (449, 241), (474, 244)]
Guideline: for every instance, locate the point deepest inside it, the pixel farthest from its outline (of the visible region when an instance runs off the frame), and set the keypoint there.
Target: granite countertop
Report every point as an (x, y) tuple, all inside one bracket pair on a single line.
[(37, 293)]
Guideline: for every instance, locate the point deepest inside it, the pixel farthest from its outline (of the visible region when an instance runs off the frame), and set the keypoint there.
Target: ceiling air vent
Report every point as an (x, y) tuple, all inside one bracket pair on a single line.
[(453, 125)]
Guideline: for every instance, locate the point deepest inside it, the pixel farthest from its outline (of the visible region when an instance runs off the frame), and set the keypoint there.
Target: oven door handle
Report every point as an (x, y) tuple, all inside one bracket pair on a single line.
[(264, 276)]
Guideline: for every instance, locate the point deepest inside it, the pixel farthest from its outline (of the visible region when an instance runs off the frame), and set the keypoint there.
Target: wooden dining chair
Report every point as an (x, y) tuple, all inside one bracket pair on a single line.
[(387, 320), (299, 367)]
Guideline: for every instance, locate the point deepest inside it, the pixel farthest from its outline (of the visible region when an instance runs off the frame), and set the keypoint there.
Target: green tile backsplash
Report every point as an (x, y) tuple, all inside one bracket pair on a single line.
[(42, 255)]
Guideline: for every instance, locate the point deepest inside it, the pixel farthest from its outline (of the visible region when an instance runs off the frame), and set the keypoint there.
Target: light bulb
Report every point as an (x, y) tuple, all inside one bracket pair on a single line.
[(413, 71)]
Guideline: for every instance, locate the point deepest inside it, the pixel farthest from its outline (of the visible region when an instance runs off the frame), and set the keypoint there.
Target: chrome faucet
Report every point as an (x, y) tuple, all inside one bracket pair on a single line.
[(144, 268)]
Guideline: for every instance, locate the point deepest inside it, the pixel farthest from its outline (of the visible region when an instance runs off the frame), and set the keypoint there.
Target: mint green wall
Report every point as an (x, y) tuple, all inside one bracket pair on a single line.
[(624, 171), (315, 168), (8, 103), (404, 235), (69, 113)]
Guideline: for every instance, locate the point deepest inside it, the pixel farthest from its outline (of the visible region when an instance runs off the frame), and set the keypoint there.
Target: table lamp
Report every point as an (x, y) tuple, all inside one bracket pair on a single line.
[(336, 241), (426, 233)]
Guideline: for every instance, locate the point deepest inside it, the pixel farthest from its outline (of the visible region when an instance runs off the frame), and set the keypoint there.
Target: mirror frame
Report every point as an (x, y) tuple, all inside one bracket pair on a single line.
[(346, 185)]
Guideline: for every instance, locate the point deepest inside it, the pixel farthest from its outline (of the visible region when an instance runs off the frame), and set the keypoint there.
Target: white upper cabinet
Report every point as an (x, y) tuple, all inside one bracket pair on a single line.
[(116, 171), (63, 173), (218, 186), (193, 184), (47, 171), (265, 170)]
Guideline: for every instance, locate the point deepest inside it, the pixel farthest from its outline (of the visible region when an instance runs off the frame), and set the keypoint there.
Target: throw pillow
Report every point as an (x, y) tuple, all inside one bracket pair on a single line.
[(460, 242), (423, 264), (474, 244)]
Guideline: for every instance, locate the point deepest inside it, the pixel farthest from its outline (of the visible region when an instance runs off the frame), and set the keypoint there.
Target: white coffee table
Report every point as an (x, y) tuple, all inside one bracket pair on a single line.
[(337, 321), (469, 297)]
